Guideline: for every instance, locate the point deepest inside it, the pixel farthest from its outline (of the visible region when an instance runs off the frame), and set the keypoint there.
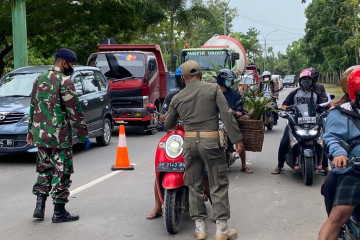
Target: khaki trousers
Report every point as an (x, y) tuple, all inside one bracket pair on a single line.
[(199, 153)]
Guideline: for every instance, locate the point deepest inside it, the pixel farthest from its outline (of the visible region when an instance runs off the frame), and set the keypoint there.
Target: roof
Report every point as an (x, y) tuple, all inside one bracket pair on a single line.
[(43, 68)]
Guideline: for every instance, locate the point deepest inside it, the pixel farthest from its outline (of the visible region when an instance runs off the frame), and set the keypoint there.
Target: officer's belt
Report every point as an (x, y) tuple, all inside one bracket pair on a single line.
[(213, 134)]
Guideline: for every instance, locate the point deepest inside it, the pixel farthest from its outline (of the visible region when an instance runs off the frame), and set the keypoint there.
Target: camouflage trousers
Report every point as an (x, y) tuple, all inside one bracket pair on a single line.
[(54, 167)]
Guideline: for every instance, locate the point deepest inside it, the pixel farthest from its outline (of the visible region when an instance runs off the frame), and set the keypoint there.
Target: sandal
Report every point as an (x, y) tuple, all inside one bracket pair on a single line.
[(247, 170), (277, 170), (153, 215)]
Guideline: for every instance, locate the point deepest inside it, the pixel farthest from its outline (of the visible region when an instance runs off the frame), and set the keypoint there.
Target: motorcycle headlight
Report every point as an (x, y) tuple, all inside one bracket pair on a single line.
[(174, 146), (301, 132), (313, 132)]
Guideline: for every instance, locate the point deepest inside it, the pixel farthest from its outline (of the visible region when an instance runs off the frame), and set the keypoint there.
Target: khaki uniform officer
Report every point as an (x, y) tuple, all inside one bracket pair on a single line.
[(198, 106)]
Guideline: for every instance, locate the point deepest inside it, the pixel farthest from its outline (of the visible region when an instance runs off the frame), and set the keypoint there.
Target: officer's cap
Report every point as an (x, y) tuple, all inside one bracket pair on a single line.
[(66, 54), (190, 67)]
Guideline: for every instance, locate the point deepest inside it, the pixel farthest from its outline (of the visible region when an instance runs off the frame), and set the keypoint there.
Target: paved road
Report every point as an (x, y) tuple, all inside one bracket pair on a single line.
[(263, 206)]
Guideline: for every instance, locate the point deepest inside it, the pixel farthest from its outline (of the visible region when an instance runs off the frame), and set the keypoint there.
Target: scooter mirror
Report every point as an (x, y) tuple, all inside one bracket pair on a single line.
[(332, 96), (284, 115), (150, 108)]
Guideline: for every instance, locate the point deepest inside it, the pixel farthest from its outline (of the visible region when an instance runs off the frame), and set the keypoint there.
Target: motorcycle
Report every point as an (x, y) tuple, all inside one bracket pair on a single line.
[(269, 117), (225, 144), (169, 171), (306, 148)]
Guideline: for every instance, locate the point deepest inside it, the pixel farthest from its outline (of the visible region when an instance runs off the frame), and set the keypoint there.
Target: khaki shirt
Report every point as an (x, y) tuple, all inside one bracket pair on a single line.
[(198, 105)]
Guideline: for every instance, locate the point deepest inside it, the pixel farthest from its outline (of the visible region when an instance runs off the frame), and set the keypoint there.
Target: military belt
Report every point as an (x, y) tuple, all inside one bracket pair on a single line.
[(213, 134)]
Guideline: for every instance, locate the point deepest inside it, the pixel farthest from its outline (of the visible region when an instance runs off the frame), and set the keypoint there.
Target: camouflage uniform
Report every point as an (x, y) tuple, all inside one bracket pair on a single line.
[(55, 110)]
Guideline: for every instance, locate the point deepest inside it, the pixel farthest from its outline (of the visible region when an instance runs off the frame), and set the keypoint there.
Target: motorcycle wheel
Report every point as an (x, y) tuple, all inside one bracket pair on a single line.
[(270, 126), (172, 210), (308, 170)]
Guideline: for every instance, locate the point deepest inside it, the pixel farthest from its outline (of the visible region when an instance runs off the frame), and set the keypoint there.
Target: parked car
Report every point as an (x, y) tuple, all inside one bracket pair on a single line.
[(291, 80), (278, 81), (15, 89)]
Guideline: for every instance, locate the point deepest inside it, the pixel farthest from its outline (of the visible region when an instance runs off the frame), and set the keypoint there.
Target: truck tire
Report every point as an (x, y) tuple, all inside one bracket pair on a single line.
[(104, 139), (172, 210), (308, 170)]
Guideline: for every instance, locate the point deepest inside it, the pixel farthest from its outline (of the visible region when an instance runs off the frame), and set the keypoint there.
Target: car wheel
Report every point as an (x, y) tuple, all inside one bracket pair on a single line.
[(104, 139)]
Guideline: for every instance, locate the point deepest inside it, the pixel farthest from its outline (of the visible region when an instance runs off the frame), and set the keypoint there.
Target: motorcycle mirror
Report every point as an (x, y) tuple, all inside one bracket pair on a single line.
[(150, 108), (284, 115), (332, 96)]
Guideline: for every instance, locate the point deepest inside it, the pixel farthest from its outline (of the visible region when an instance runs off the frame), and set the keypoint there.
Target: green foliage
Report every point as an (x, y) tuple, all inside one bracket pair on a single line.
[(256, 104)]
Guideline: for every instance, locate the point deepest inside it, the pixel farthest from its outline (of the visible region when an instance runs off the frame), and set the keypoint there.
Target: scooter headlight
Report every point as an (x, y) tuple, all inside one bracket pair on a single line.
[(301, 132), (174, 146)]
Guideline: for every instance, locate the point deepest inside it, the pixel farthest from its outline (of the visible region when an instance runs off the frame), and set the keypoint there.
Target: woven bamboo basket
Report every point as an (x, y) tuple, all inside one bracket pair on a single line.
[(253, 134)]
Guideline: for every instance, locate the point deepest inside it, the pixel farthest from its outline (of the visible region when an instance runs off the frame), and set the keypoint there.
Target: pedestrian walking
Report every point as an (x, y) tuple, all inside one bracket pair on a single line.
[(55, 110), (198, 106)]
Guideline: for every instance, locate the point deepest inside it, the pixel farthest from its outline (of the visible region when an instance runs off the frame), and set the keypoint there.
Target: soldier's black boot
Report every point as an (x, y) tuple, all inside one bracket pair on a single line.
[(40, 206), (61, 215)]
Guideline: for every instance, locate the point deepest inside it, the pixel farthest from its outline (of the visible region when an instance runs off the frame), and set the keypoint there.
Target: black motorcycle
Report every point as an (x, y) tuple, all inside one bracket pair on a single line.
[(306, 148)]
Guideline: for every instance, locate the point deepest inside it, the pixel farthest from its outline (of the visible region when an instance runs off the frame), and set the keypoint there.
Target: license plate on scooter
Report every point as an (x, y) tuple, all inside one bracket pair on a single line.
[(302, 120), (171, 167)]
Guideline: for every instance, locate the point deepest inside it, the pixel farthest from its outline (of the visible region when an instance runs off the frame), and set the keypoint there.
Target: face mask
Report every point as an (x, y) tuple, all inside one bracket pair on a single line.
[(228, 83), (306, 84), (266, 79), (68, 71)]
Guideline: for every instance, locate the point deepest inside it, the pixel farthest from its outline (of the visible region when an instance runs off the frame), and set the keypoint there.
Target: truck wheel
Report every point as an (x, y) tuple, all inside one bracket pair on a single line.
[(172, 210), (104, 139), (308, 170)]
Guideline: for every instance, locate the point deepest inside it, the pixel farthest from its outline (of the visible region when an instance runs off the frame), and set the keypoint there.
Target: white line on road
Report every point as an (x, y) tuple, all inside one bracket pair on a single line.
[(96, 181)]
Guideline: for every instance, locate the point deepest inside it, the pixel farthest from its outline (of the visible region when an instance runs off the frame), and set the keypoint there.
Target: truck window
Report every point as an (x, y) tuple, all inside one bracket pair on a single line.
[(208, 59), (152, 65), (118, 65)]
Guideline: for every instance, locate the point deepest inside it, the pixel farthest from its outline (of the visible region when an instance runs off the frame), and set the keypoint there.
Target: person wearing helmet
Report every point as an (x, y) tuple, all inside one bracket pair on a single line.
[(328, 188), (304, 94), (268, 86), (343, 126), (225, 79), (318, 88)]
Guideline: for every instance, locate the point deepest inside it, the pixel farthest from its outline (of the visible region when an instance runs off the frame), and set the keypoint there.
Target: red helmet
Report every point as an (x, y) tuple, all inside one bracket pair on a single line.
[(307, 73), (354, 83)]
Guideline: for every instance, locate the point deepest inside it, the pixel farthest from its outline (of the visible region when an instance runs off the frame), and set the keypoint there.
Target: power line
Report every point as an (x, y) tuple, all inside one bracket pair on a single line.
[(277, 27)]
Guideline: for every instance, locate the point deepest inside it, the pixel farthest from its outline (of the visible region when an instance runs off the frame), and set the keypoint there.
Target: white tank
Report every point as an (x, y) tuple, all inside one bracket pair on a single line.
[(223, 41)]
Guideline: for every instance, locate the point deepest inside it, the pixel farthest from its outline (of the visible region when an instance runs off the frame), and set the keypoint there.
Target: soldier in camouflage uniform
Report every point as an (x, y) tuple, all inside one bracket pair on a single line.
[(55, 110)]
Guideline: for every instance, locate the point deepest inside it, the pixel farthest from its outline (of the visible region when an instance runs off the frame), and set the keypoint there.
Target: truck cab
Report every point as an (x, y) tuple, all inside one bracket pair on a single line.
[(137, 75)]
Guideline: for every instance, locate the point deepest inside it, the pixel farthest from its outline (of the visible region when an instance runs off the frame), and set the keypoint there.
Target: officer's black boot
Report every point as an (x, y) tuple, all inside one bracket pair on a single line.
[(61, 215), (40, 206)]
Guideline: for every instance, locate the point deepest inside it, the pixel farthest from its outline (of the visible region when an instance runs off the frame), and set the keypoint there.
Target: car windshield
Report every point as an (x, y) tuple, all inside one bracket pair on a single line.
[(247, 79), (17, 84), (289, 77), (119, 65), (208, 59)]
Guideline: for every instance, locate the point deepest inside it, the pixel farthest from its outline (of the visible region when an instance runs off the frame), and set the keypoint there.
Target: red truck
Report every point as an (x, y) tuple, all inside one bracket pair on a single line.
[(137, 76)]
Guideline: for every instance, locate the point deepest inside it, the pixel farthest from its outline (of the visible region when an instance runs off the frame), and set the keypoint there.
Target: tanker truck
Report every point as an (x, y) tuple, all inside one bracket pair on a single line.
[(218, 52)]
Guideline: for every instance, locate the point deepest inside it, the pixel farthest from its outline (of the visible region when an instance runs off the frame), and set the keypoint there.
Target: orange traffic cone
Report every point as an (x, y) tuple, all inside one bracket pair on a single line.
[(122, 156)]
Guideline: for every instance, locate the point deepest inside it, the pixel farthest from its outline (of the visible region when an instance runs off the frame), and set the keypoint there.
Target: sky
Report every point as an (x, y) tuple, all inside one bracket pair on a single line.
[(280, 21)]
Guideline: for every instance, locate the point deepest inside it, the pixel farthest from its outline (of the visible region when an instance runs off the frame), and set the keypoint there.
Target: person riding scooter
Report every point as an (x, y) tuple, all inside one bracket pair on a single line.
[(342, 130), (225, 79), (268, 86), (304, 94)]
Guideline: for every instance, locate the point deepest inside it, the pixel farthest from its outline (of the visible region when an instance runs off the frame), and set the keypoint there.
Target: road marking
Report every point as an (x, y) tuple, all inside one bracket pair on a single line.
[(96, 181)]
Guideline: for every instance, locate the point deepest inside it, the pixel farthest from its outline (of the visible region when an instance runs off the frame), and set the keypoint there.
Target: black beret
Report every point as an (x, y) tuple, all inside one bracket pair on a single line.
[(66, 54)]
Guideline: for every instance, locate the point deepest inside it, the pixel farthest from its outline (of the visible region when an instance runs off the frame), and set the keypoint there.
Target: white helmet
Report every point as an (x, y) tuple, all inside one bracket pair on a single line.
[(266, 73)]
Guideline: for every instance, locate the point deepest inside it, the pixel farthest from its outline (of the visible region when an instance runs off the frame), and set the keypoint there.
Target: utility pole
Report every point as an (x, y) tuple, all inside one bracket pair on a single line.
[(18, 11), (226, 4), (265, 55)]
